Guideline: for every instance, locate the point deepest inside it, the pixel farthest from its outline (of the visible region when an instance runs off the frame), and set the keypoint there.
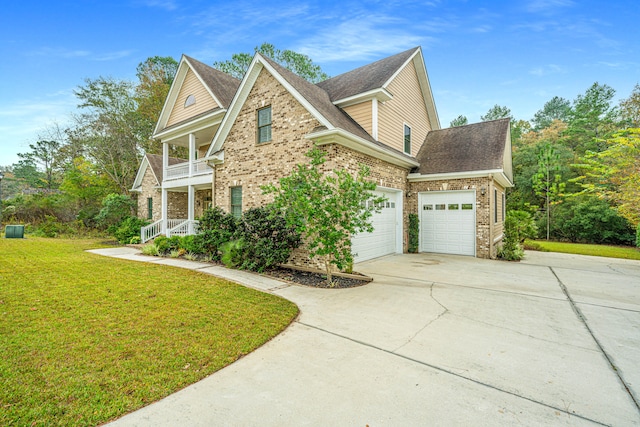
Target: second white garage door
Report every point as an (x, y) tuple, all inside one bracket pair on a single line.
[(385, 236), (448, 222)]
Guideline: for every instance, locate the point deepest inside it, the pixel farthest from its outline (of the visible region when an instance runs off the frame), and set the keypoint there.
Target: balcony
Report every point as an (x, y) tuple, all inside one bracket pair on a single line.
[(187, 169)]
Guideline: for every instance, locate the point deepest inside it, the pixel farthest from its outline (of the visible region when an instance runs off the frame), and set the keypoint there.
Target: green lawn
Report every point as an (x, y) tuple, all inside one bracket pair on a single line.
[(626, 252), (85, 339)]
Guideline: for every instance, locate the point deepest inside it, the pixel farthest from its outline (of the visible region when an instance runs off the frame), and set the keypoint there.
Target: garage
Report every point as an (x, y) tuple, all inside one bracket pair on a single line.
[(386, 237), (447, 222)]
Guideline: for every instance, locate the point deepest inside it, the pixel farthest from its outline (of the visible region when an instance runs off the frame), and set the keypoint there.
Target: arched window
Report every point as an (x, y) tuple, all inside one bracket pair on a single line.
[(189, 101)]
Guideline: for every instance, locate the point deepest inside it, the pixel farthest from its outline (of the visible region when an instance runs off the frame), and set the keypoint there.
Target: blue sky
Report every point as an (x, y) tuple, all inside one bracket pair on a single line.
[(478, 53)]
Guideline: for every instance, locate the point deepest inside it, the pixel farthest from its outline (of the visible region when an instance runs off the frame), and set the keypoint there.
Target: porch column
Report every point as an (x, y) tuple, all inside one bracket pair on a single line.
[(191, 207), (165, 162), (192, 152), (165, 210)]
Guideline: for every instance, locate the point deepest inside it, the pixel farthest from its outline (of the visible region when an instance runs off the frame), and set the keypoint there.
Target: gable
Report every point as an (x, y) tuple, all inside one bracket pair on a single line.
[(193, 89), (407, 107)]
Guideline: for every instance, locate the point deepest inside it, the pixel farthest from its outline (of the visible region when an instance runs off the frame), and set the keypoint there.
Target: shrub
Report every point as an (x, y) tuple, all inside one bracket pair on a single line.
[(414, 230), (216, 228), (191, 244), (590, 220), (518, 226), (267, 239), (177, 253), (50, 227), (150, 249), (233, 253), (162, 244), (135, 240), (115, 209), (638, 236), (128, 228)]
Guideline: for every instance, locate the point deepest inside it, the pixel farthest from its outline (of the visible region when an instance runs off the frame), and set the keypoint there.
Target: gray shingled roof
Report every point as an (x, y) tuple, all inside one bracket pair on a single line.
[(155, 161), (475, 147), (365, 78), (317, 97), (221, 84)]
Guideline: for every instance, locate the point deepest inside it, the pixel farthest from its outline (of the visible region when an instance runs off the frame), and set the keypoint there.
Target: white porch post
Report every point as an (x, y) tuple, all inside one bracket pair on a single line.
[(165, 161), (191, 208), (165, 203), (192, 152)]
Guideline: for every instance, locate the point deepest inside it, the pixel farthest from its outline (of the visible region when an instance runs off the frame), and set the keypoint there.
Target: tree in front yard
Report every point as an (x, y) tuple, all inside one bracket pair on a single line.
[(327, 208)]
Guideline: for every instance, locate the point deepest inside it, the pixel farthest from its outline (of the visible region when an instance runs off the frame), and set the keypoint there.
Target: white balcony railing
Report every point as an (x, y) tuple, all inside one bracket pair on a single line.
[(181, 170)]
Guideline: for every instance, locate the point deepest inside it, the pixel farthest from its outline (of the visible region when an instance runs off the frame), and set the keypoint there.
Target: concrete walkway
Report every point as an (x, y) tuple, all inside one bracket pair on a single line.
[(434, 340)]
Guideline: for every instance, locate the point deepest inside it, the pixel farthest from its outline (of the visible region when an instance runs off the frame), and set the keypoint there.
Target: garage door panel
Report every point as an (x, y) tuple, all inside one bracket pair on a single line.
[(383, 240), (448, 227)]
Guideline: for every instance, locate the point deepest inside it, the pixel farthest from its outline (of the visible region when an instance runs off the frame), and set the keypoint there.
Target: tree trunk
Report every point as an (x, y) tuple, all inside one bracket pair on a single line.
[(327, 266)]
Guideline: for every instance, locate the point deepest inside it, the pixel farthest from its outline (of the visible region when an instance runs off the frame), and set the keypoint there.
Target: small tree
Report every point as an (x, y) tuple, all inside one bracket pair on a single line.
[(327, 208), (547, 181)]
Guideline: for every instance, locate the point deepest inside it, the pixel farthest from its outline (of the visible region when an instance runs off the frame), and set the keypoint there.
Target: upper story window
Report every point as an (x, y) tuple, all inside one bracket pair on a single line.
[(407, 139), (191, 100), (264, 124)]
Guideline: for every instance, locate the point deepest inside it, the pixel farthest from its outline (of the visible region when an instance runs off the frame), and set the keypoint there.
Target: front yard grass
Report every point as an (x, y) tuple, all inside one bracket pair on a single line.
[(85, 339), (625, 252)]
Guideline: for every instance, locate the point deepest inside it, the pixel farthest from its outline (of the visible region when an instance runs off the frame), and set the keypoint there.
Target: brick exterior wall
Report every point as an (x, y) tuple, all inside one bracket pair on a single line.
[(249, 164), (177, 205), (149, 189), (487, 232)]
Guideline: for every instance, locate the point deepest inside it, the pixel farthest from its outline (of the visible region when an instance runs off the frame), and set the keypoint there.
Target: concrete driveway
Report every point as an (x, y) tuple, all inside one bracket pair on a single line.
[(435, 340)]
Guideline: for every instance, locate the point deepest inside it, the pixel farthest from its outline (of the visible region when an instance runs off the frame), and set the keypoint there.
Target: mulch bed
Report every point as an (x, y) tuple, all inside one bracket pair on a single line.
[(316, 280)]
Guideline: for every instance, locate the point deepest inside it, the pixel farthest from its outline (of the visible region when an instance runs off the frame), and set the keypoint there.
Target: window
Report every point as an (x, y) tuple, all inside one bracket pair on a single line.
[(504, 206), (149, 207), (495, 205), (440, 207), (264, 125), (467, 206), (407, 139), (236, 201), (189, 101), (454, 206), (427, 207)]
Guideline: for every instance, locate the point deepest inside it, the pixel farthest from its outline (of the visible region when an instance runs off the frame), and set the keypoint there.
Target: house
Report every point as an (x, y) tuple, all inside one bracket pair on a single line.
[(244, 134)]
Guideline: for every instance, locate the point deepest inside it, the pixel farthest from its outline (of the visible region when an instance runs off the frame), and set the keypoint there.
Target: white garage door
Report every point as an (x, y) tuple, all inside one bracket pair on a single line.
[(384, 239), (448, 222)]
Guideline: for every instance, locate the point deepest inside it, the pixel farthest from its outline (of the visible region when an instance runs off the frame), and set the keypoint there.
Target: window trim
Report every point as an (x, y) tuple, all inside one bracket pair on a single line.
[(237, 213), (404, 139), (269, 125), (504, 206), (495, 205), (149, 207)]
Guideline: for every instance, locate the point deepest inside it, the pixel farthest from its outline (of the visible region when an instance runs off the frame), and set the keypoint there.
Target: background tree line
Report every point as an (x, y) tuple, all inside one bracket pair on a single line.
[(576, 166)]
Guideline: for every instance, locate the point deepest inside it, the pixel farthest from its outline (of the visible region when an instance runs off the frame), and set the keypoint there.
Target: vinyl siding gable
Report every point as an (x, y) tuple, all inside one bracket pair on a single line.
[(406, 107), (203, 100), (362, 114)]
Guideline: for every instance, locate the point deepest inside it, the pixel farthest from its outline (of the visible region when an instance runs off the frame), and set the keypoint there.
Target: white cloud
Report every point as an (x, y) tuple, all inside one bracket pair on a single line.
[(64, 53), (548, 69), (111, 56), (360, 38), (168, 5), (547, 6)]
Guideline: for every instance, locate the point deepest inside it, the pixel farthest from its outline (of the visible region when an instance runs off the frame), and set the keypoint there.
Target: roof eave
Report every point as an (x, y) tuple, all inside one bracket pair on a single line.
[(202, 122), (381, 94), (346, 139), (497, 174)]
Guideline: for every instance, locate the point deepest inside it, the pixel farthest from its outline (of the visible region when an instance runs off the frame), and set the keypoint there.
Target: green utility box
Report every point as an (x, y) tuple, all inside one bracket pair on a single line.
[(14, 231)]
